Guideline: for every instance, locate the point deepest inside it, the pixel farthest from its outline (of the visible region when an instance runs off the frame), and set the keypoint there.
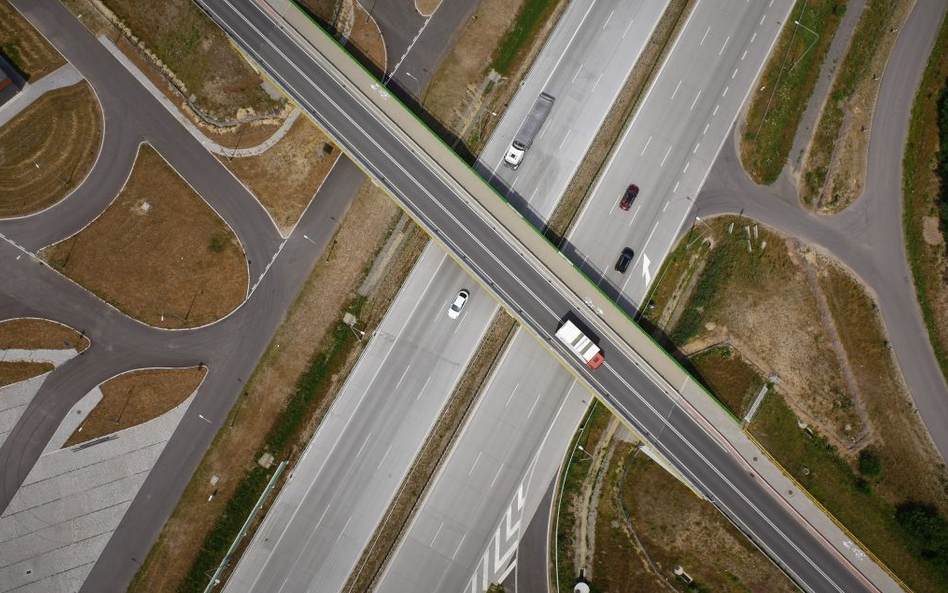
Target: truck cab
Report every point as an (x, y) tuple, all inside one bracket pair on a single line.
[(514, 155)]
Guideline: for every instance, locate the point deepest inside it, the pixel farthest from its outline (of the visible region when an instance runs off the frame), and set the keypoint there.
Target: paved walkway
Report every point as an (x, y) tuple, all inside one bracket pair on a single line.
[(186, 122), (63, 76), (16, 397)]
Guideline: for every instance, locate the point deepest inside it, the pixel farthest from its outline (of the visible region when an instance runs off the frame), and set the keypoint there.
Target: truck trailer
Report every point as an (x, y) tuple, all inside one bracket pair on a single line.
[(580, 344), (528, 130)]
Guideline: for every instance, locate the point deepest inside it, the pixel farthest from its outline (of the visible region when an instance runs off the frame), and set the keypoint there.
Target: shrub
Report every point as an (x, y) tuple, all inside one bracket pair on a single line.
[(870, 464), (927, 528)]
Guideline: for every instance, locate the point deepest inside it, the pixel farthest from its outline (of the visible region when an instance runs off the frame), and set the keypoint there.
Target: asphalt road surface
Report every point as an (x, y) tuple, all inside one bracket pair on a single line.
[(673, 140), (326, 514), (868, 236), (424, 192)]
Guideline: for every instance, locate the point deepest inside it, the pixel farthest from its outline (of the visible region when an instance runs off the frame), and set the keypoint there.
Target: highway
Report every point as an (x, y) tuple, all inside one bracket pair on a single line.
[(424, 191)]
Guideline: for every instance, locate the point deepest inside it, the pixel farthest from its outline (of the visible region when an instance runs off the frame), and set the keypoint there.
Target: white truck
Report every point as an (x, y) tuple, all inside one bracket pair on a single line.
[(580, 344), (528, 130)]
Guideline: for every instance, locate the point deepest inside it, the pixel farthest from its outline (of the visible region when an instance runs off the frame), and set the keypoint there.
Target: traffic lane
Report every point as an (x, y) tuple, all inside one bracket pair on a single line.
[(131, 105), (424, 193), (355, 451)]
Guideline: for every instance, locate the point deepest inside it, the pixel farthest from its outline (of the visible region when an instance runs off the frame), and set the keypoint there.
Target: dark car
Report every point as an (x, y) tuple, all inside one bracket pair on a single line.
[(625, 258), (630, 193)]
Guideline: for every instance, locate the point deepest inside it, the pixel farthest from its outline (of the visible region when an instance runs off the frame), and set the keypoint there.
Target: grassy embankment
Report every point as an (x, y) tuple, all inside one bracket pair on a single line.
[(785, 87)]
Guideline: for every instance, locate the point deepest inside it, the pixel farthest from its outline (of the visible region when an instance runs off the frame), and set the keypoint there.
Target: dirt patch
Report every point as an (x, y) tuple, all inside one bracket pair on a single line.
[(785, 86), (930, 231), (432, 454), (834, 173), (427, 7), (620, 114), (48, 148), (14, 372), (732, 380), (286, 176), (135, 398), (366, 38), (40, 334), (158, 253), (305, 331), (24, 47)]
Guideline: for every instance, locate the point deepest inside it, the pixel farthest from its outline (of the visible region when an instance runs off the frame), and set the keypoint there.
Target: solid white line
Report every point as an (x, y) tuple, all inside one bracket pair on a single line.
[(560, 146), (627, 28), (647, 142), (608, 18), (364, 443), (695, 101), (666, 156), (437, 533), (476, 459), (705, 35), (676, 89), (725, 45), (512, 392), (383, 458)]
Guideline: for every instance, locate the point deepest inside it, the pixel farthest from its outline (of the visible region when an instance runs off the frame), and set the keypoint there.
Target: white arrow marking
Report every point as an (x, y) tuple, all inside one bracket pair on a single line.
[(645, 272)]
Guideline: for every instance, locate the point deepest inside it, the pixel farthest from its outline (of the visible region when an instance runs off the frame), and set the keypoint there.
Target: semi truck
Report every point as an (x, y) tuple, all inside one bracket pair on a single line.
[(528, 130), (580, 344)]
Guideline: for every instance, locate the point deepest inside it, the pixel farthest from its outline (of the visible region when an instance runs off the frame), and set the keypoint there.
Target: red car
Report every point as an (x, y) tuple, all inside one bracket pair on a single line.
[(629, 197)]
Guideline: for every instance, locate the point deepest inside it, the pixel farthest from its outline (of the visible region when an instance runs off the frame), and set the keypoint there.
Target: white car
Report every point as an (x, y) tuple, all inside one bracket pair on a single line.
[(455, 309)]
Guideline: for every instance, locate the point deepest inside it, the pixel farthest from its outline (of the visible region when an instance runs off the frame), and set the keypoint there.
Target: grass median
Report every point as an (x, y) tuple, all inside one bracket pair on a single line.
[(785, 87)]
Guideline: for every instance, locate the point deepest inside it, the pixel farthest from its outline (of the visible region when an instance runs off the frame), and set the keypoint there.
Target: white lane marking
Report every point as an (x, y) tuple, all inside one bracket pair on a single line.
[(626, 32), (411, 45), (364, 443), (674, 189), (647, 142), (383, 457), (676, 89), (753, 37), (770, 4), (695, 101), (696, 148), (762, 19), (608, 18), (634, 214), (534, 194), (735, 74), (534, 406), (685, 170), (403, 377), (725, 45), (497, 475), (563, 142), (459, 546), (744, 55), (706, 126), (724, 94), (512, 392), (476, 459), (578, 70), (666, 156), (423, 387), (343, 531), (665, 207), (437, 533), (715, 112), (705, 35), (596, 83)]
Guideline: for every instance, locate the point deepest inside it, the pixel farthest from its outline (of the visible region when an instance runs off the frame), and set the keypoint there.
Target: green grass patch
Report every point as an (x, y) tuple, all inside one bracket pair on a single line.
[(533, 15), (730, 378), (853, 498), (282, 436), (854, 70), (920, 186), (787, 83)]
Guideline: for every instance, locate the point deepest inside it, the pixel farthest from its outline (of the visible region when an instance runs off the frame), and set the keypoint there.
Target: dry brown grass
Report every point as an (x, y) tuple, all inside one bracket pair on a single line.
[(159, 253), (135, 398), (312, 316), (24, 47), (198, 53), (367, 39), (729, 377), (286, 176), (426, 463), (14, 372), (48, 148), (675, 528), (37, 334), (620, 114), (427, 7)]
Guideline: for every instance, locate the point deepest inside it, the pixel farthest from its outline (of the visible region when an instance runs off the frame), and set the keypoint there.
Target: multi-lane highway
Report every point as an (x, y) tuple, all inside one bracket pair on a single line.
[(424, 190)]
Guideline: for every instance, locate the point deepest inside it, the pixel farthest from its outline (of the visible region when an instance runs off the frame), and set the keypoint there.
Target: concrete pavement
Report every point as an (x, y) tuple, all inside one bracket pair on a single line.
[(65, 75)]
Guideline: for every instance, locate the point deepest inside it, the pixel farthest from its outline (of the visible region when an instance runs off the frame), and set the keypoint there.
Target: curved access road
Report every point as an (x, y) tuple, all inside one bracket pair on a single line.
[(868, 236)]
